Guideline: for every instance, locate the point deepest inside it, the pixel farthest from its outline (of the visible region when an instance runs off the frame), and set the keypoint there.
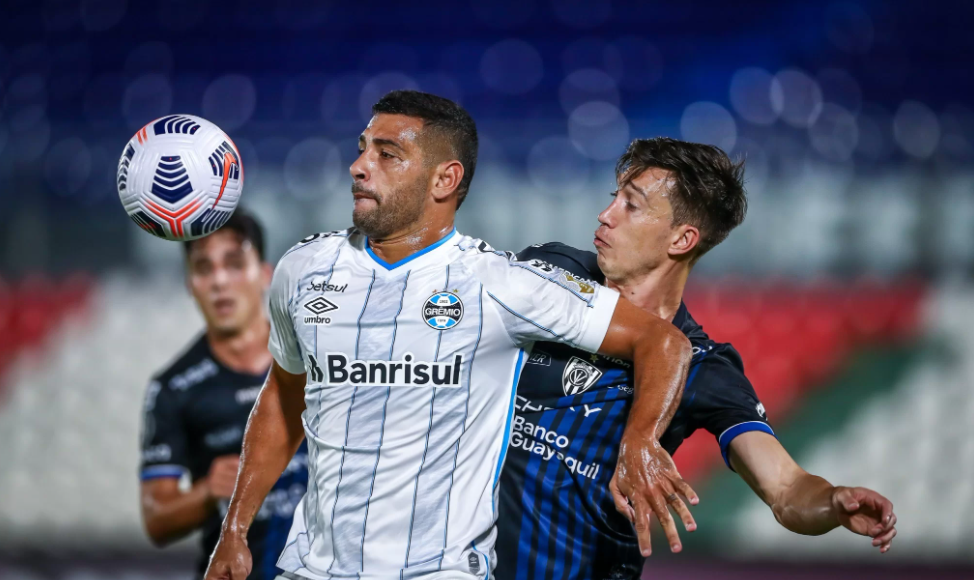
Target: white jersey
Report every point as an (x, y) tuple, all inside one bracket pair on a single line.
[(411, 370)]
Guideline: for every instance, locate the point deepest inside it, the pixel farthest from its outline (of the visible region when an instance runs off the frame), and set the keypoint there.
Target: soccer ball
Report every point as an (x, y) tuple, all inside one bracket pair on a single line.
[(180, 177)]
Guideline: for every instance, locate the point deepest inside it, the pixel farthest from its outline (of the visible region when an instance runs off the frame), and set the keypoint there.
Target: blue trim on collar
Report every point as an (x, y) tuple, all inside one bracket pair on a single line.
[(411, 257)]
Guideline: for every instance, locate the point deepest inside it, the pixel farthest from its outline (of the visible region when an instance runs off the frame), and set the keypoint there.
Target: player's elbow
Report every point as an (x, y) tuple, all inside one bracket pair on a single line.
[(159, 529), (157, 534), (668, 339)]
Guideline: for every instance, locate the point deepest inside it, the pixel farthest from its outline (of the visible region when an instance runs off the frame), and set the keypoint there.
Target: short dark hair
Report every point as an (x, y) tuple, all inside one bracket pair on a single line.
[(709, 191), (446, 118), (247, 229)]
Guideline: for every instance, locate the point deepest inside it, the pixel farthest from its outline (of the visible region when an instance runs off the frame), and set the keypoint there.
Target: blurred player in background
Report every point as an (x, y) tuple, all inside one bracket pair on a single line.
[(196, 410), (675, 201), (397, 345)]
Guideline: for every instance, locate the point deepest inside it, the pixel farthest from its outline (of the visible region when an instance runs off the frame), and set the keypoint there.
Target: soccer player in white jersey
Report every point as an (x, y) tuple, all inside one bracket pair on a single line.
[(398, 345)]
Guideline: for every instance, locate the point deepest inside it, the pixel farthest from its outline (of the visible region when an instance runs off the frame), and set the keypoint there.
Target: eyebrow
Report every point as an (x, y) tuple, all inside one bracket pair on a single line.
[(638, 190), (381, 141)]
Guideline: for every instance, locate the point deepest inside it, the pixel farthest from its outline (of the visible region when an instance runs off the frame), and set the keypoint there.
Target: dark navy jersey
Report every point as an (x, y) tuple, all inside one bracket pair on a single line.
[(195, 411), (557, 520)]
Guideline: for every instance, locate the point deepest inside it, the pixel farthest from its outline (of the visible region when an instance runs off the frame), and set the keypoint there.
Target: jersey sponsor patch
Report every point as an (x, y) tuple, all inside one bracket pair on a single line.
[(579, 376), (443, 310), (386, 373)]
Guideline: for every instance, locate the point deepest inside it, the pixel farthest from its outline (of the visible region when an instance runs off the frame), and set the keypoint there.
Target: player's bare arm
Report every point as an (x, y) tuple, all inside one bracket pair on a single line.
[(646, 480), (274, 433), (806, 503), (170, 513)]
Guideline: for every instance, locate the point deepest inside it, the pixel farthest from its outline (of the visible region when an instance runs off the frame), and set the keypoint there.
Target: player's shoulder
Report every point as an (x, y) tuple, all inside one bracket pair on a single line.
[(317, 245), (313, 250), (717, 361), (579, 262), (193, 365)]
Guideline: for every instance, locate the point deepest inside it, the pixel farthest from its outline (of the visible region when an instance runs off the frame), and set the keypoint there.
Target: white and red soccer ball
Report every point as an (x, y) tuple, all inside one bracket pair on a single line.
[(180, 177)]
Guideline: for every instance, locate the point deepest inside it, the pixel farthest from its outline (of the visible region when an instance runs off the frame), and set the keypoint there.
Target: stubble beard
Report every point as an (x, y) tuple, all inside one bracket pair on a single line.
[(392, 212)]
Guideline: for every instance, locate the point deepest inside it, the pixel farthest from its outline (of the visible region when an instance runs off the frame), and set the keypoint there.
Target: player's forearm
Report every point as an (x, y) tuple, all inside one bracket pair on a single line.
[(170, 517), (273, 435), (660, 355), (805, 506), (660, 362)]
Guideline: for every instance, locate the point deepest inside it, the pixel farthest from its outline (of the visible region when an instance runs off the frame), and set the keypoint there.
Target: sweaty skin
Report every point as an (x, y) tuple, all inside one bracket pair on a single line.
[(648, 258), (405, 192)]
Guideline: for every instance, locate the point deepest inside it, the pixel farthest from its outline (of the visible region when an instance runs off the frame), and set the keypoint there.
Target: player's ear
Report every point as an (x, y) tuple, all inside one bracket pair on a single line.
[(685, 239), (446, 179)]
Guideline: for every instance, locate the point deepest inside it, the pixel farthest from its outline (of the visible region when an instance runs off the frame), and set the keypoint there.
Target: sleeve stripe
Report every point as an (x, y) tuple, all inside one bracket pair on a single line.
[(506, 307), (161, 471), (731, 432)]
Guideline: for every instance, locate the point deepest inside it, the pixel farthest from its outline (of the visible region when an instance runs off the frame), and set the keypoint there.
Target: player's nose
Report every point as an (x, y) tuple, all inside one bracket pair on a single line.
[(605, 217), (359, 168)]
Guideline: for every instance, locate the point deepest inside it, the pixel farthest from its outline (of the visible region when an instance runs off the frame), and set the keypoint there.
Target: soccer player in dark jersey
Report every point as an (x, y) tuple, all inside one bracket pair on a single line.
[(561, 514), (196, 409)]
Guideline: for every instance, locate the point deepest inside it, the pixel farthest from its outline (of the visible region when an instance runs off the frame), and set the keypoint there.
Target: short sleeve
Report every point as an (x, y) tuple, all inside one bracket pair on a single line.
[(721, 400), (541, 302), (164, 449), (283, 342)]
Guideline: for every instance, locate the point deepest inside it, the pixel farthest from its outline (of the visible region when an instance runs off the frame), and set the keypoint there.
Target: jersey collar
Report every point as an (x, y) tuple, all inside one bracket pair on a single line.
[(411, 257)]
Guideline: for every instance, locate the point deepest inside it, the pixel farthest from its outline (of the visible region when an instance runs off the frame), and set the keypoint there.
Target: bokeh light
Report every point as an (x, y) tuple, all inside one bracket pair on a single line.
[(378, 86), (146, 98), (640, 61), (586, 85), (511, 67), (556, 166), (917, 129), (750, 95), (835, 133), (229, 101), (312, 169), (797, 98), (706, 122), (839, 87), (599, 130)]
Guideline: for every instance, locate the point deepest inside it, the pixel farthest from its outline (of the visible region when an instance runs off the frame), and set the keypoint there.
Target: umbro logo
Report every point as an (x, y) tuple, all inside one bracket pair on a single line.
[(319, 306)]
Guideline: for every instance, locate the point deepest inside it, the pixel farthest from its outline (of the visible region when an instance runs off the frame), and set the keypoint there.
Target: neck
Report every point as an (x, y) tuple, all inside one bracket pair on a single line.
[(244, 351), (658, 291), (407, 242)]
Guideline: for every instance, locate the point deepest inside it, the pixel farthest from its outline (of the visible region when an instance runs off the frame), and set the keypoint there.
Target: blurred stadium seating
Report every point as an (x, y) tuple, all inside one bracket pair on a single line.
[(847, 289)]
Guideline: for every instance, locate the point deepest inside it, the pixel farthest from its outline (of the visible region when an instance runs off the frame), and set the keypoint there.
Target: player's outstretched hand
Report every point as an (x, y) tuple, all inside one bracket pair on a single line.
[(231, 559), (866, 513), (646, 481)]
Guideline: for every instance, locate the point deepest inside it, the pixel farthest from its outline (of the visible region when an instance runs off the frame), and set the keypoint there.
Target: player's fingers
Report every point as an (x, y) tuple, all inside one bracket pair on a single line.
[(622, 504), (887, 512), (885, 538), (686, 491), (683, 511), (885, 547), (641, 521), (666, 520), (847, 500)]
